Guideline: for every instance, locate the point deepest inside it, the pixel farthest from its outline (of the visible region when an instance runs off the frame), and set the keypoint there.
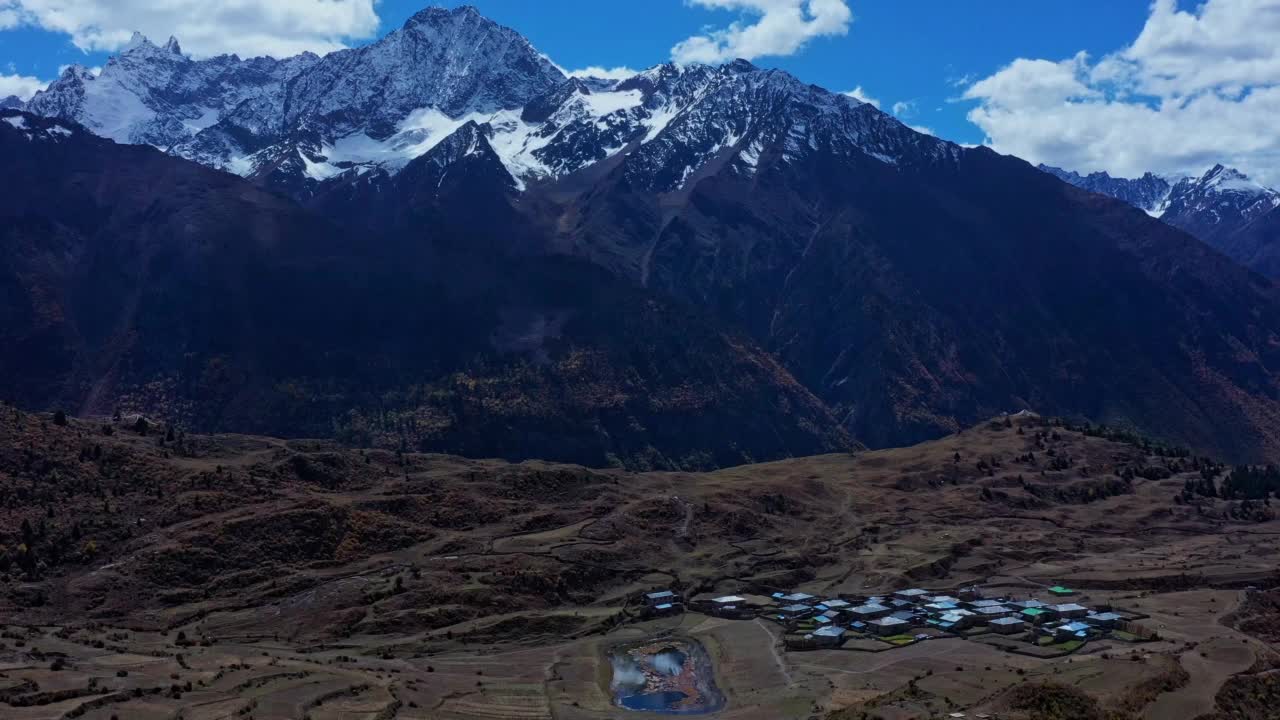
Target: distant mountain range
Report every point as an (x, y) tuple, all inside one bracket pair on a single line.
[(1223, 207), (441, 242)]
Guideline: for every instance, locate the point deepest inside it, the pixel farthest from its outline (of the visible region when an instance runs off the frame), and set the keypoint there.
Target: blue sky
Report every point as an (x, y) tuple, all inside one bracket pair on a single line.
[(898, 51), (1120, 85), (909, 51)]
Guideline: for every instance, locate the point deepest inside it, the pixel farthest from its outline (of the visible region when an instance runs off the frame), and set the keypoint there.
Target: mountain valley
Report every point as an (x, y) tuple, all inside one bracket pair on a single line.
[(879, 278), (427, 379), (149, 573)]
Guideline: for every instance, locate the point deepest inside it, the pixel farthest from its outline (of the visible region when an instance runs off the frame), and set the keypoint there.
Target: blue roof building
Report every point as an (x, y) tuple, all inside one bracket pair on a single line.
[(830, 636)]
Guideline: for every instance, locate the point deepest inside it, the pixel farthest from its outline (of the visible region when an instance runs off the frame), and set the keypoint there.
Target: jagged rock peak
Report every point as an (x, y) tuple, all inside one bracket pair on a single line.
[(74, 72), (140, 43), (435, 13), (1224, 179), (137, 41)]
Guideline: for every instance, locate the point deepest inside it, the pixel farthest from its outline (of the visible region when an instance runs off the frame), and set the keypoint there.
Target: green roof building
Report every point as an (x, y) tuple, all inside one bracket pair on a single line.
[(1060, 591), (1034, 615)]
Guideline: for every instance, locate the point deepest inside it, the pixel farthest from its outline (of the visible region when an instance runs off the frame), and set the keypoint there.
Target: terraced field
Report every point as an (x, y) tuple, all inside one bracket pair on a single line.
[(238, 577)]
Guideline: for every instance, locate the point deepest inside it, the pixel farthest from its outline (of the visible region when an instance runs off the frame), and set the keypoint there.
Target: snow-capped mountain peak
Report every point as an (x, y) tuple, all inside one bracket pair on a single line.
[(1223, 179), (1149, 192), (1223, 207), (34, 128), (137, 41), (301, 121), (141, 43), (1222, 196)]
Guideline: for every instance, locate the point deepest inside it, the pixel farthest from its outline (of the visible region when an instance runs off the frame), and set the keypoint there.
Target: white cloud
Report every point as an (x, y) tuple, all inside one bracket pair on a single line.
[(904, 108), (8, 17), (1037, 83), (247, 27), (1223, 43), (861, 95), (1194, 88), (596, 71), (20, 85), (778, 27), (924, 129)]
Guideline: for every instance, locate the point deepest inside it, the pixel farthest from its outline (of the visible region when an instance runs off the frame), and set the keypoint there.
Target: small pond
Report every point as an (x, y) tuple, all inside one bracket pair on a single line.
[(672, 676)]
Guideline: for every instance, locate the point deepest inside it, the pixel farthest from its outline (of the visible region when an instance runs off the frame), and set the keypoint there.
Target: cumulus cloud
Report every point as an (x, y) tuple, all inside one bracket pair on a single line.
[(904, 108), (775, 27), (247, 27), (22, 86), (1223, 44), (861, 95), (596, 71), (1195, 87)]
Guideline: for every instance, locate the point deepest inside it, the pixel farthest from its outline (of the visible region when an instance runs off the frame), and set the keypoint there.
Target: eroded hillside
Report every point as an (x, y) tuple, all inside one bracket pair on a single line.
[(380, 567)]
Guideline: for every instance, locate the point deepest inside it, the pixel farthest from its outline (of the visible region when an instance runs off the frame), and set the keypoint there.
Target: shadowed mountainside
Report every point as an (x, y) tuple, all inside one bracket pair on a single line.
[(920, 296), (131, 279)]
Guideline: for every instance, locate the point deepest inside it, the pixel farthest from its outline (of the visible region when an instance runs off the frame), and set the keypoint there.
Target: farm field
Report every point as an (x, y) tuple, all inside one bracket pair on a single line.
[(236, 577)]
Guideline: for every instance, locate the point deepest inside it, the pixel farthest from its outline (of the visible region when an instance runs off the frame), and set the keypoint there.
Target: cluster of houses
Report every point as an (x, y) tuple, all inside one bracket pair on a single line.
[(827, 622)]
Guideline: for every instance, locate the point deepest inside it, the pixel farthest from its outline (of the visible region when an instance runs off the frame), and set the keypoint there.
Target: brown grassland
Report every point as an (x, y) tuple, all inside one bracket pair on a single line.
[(159, 575)]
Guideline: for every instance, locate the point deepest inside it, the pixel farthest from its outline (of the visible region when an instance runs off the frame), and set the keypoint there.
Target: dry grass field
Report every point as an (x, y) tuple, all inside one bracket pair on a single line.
[(157, 576)]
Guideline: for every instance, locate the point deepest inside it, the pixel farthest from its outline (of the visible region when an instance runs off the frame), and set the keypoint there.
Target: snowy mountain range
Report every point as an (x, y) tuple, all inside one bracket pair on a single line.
[(307, 124), (296, 123), (1222, 207), (708, 237), (1149, 192)]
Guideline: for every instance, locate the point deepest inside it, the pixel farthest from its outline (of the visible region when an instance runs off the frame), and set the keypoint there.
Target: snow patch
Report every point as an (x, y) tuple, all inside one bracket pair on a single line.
[(17, 121), (1238, 184), (751, 156), (423, 129), (241, 165), (115, 111), (659, 121), (317, 170), (208, 118), (605, 103)]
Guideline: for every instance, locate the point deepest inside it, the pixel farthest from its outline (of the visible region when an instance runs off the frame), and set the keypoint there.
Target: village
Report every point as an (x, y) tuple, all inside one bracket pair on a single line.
[(1054, 626)]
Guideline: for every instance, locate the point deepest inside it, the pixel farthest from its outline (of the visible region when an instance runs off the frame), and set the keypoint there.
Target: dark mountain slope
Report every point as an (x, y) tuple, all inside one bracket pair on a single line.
[(913, 285), (134, 278), (1256, 244), (918, 296)]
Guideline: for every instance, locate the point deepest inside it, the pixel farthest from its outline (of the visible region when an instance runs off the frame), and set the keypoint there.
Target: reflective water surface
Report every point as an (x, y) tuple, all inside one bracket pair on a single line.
[(673, 676)]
